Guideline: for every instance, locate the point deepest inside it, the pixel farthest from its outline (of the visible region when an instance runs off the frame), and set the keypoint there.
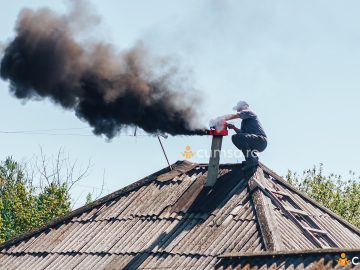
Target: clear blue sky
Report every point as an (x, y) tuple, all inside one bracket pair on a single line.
[(296, 62)]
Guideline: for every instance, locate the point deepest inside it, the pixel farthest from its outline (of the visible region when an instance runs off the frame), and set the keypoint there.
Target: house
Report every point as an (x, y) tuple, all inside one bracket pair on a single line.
[(169, 220)]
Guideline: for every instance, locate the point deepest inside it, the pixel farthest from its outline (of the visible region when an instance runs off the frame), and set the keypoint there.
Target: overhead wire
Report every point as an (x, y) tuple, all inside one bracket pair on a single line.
[(41, 130), (51, 132)]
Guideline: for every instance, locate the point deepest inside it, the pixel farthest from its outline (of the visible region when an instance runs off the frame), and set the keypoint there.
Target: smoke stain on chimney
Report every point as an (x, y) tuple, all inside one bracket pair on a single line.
[(108, 89)]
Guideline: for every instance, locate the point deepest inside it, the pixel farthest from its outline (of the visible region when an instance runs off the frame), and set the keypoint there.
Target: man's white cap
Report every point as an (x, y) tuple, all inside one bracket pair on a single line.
[(241, 105)]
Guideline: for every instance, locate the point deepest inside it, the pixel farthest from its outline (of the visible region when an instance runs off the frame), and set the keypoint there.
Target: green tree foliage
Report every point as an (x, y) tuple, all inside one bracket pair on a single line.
[(340, 195), (23, 206), (89, 198)]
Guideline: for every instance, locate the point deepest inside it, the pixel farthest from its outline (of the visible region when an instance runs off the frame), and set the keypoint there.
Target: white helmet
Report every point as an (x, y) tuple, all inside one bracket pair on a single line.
[(241, 105)]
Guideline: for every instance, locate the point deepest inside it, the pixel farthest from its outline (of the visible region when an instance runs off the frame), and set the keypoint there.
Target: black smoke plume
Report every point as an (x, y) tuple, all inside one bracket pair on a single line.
[(48, 58)]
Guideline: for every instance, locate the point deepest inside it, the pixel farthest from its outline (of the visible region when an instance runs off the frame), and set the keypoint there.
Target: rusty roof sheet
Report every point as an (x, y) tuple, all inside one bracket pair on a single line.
[(170, 220)]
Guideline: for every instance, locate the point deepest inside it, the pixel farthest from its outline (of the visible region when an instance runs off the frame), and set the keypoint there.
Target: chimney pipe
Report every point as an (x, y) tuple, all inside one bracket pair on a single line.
[(213, 169)]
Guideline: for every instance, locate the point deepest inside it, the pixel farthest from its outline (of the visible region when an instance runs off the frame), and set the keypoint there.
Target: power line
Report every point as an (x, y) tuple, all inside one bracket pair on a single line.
[(50, 132), (42, 130)]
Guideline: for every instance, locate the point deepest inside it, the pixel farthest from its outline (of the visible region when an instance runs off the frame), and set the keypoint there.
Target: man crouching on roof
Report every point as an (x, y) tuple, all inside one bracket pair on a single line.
[(251, 137)]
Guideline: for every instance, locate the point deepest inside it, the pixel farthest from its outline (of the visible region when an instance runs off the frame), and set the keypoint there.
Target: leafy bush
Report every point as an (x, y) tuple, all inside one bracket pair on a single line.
[(340, 195)]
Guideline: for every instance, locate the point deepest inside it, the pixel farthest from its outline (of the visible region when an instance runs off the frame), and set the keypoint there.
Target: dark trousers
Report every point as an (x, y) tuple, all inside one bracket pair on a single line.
[(250, 145)]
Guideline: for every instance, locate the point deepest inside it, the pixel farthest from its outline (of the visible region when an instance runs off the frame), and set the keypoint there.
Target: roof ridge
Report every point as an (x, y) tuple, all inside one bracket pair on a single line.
[(39, 253), (268, 226), (289, 252)]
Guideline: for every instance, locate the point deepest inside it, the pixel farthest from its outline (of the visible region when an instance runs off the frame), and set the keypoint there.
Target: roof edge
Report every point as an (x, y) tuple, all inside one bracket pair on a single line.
[(304, 196), (289, 252), (91, 205)]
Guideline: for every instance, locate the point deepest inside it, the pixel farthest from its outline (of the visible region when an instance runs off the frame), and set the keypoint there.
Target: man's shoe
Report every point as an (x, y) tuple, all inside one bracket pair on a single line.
[(250, 164)]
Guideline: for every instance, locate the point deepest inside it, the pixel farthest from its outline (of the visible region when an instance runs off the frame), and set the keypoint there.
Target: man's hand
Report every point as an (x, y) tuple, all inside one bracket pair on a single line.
[(230, 126)]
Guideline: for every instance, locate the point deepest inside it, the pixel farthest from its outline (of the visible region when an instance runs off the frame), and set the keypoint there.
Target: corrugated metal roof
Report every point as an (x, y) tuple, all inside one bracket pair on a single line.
[(169, 220)]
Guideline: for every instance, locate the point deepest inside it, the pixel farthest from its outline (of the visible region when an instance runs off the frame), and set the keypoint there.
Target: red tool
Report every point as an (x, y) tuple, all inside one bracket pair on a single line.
[(213, 131), (216, 132)]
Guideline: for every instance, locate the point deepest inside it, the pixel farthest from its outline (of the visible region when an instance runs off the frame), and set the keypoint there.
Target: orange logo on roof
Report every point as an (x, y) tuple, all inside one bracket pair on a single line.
[(343, 261)]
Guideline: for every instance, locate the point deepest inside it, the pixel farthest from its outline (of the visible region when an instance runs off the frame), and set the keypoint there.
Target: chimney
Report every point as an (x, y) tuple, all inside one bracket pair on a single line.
[(213, 169)]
